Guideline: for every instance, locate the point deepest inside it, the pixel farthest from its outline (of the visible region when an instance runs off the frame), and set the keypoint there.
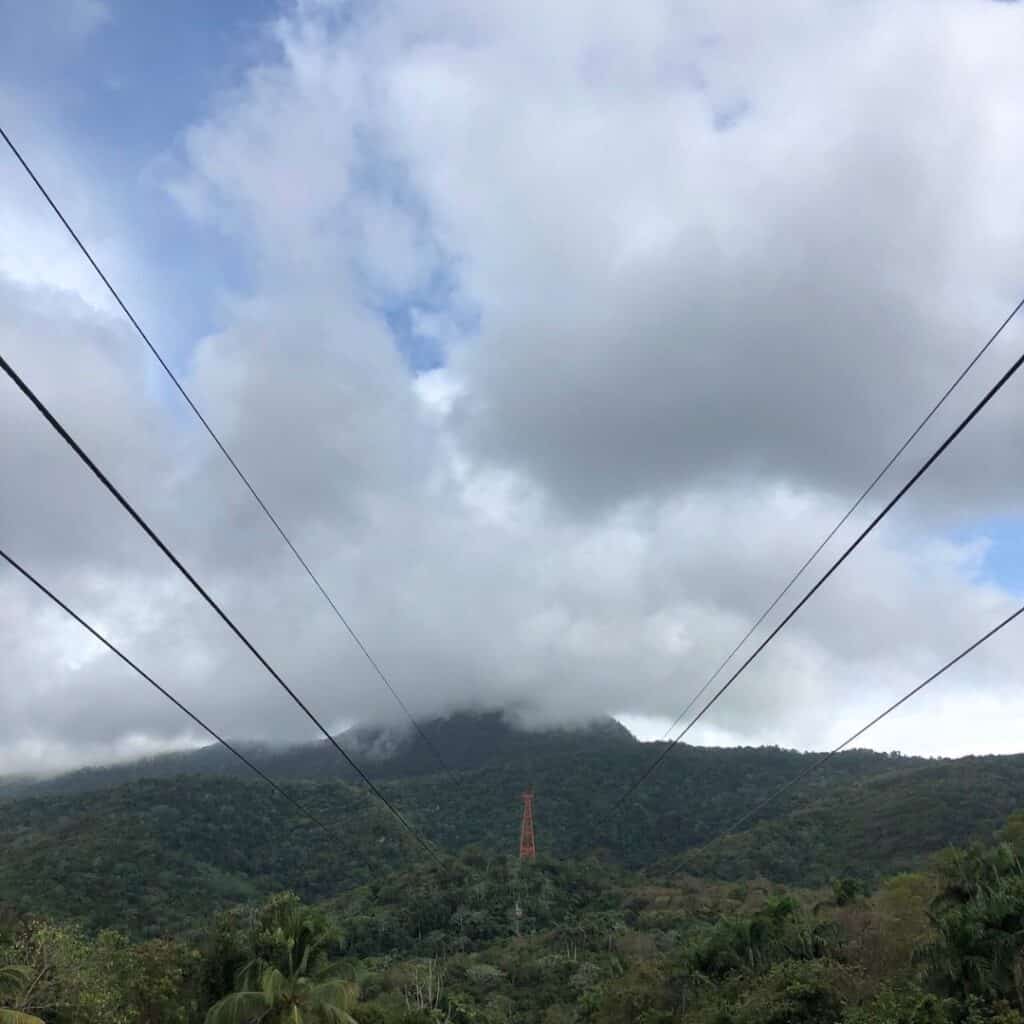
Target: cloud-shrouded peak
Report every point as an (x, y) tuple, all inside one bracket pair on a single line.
[(556, 339)]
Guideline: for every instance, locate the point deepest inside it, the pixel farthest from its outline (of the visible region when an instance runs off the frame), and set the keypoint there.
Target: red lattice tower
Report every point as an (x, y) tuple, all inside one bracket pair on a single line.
[(527, 843)]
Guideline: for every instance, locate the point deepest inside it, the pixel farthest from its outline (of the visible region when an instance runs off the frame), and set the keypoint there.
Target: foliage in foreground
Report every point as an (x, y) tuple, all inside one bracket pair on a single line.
[(291, 980), (484, 940)]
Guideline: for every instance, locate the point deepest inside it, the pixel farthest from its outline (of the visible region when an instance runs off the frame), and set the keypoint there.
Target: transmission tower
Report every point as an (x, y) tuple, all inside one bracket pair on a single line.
[(527, 843)]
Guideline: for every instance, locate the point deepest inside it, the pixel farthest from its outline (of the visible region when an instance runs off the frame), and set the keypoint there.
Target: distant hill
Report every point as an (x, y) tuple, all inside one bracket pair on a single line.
[(148, 846), (466, 741), (159, 855), (873, 826)]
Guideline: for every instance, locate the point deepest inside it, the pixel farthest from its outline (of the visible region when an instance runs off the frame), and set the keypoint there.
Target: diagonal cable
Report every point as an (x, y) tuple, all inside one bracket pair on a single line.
[(201, 590), (821, 762), (39, 585), (889, 506), (227, 455), (842, 522)]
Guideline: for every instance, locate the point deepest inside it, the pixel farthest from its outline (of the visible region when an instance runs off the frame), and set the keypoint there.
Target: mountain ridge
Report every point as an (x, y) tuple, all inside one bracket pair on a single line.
[(155, 850), (467, 740)]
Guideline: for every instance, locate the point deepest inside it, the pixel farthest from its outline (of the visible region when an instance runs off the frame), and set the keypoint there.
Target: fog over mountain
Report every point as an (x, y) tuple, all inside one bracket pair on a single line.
[(556, 336)]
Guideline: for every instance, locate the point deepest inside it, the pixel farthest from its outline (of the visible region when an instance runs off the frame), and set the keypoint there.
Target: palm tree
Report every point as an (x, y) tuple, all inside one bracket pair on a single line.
[(979, 926), (303, 989), (17, 1017), (13, 977)]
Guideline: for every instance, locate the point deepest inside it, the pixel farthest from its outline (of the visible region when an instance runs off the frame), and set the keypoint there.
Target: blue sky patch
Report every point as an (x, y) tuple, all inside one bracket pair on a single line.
[(1004, 560)]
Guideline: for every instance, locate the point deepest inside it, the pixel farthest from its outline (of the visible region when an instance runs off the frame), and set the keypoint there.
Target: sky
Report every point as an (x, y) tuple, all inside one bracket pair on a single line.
[(556, 336)]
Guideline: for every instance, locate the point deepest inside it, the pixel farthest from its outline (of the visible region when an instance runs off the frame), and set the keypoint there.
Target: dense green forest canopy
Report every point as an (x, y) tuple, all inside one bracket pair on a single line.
[(484, 939), (148, 855), (175, 891)]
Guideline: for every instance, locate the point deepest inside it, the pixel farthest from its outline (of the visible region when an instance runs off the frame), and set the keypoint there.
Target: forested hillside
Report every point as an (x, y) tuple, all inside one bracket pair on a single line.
[(152, 856), (155, 857), (487, 940), (872, 826)]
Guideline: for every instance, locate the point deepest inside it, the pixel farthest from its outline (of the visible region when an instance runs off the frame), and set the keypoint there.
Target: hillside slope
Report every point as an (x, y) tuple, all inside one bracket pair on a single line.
[(872, 826), (159, 855), (156, 854)]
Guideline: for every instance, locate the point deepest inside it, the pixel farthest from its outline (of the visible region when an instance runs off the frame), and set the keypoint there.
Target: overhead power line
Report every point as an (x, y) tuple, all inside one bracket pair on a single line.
[(889, 506), (204, 593), (815, 765), (39, 585), (224, 451), (842, 522)]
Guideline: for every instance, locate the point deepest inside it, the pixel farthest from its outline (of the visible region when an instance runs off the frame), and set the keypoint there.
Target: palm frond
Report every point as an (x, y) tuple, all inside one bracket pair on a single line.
[(16, 1017), (15, 974), (331, 1000), (337, 993), (334, 1015), (237, 1008), (272, 984)]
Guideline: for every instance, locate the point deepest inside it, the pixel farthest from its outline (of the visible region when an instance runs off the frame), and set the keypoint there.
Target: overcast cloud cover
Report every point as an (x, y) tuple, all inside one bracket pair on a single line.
[(556, 336)]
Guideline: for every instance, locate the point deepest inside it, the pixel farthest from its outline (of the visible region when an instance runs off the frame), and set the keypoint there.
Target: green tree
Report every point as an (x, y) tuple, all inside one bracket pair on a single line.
[(74, 979), (14, 980), (296, 985), (792, 992), (979, 921)]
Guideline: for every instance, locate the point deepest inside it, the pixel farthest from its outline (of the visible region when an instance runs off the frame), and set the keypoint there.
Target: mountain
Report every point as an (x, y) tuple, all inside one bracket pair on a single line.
[(470, 740), (148, 846), (465, 740)]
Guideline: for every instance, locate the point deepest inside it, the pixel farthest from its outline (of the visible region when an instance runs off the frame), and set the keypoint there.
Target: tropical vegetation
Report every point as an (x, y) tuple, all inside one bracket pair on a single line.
[(484, 939), (147, 856), (890, 891)]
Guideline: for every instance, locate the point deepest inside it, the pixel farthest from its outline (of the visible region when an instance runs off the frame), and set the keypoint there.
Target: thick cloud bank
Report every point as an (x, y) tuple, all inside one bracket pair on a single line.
[(566, 332)]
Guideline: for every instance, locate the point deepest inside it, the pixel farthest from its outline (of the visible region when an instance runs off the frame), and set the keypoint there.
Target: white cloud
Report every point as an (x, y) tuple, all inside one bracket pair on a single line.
[(694, 346)]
